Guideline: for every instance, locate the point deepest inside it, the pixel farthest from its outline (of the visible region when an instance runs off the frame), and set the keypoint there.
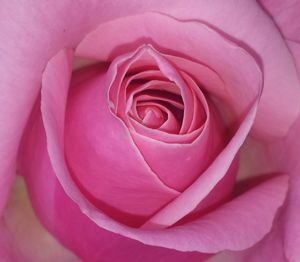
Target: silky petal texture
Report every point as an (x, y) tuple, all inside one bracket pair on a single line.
[(49, 37), (286, 15), (269, 249), (18, 223)]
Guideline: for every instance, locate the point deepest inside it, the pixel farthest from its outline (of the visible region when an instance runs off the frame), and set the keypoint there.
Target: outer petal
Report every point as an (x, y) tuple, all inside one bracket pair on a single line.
[(271, 248), (286, 15)]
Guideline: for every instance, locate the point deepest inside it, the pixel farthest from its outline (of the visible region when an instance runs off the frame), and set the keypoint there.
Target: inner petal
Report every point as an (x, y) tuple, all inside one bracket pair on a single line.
[(151, 115), (169, 125)]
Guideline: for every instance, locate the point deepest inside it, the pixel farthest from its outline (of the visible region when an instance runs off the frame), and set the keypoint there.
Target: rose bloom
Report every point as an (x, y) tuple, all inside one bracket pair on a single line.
[(150, 130)]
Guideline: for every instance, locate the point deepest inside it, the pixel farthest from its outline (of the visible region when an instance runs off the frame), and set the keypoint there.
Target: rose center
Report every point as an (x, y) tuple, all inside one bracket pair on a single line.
[(152, 116)]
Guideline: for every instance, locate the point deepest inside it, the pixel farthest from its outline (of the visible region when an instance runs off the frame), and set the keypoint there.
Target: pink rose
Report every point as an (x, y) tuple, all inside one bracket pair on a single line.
[(156, 131)]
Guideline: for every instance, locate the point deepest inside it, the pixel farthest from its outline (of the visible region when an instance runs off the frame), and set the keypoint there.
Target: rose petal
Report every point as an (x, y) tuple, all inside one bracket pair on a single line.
[(286, 15), (61, 216)]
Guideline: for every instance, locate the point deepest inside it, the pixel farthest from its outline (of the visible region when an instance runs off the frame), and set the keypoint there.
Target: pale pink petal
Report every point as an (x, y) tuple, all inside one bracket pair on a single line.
[(286, 15), (270, 248)]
